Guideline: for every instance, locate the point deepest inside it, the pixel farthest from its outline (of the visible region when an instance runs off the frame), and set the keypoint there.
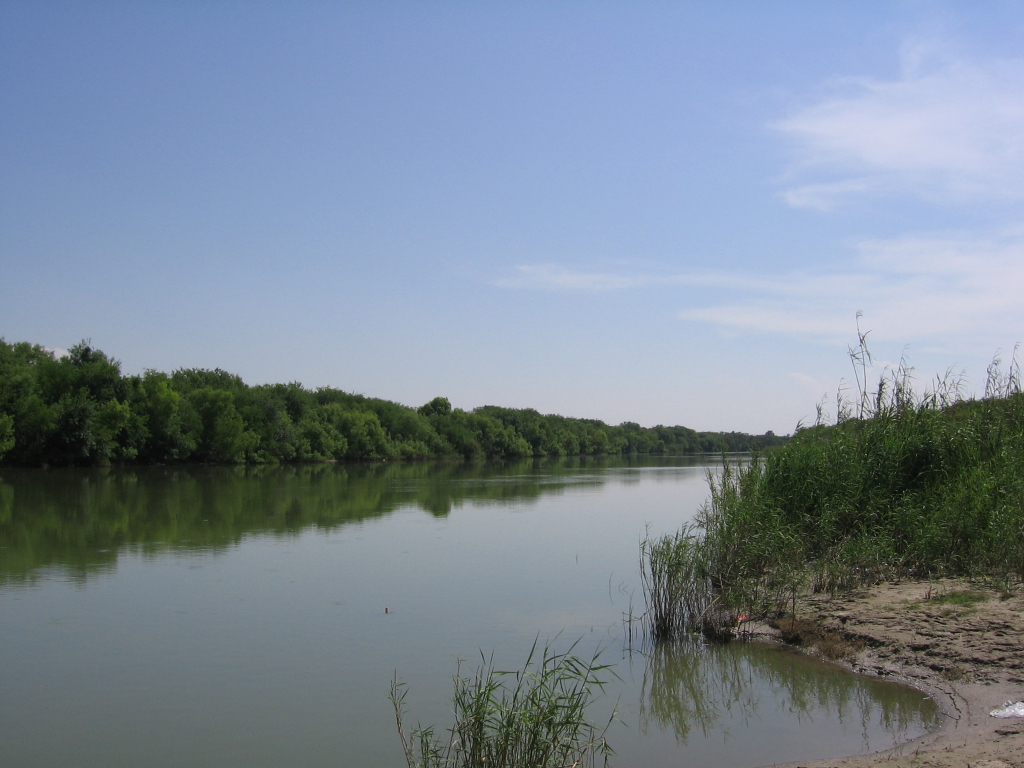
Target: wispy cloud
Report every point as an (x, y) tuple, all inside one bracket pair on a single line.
[(558, 277), (925, 287), (948, 130), (938, 286)]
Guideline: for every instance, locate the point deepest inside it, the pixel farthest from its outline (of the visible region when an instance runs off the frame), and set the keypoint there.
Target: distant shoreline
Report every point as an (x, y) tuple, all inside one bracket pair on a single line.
[(80, 410)]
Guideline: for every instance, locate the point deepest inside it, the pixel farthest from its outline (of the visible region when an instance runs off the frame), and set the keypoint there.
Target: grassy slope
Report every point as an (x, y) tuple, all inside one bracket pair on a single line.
[(917, 487)]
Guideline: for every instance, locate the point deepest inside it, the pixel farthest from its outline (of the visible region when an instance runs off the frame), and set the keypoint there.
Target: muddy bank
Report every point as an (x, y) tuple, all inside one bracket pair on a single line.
[(960, 642)]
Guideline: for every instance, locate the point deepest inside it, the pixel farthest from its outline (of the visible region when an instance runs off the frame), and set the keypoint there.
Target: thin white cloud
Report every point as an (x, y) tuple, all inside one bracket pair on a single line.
[(826, 196), (558, 277), (948, 130), (555, 277), (925, 287), (922, 287)]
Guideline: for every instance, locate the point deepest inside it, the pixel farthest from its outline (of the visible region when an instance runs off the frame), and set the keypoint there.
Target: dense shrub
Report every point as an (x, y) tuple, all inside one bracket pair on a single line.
[(79, 410)]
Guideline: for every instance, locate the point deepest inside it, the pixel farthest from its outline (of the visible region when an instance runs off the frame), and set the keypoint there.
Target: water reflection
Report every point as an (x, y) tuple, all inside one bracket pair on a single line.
[(80, 519), (692, 687), (245, 622)]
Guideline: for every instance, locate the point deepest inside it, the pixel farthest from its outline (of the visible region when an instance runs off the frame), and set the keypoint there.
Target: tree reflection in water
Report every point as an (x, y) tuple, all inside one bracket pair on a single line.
[(79, 520)]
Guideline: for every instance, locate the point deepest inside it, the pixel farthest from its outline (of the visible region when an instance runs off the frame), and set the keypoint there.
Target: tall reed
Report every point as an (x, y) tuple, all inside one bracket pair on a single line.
[(534, 717), (676, 584), (901, 485)]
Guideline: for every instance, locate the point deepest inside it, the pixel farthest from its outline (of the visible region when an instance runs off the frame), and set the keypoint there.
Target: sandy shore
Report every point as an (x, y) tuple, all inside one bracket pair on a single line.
[(970, 657)]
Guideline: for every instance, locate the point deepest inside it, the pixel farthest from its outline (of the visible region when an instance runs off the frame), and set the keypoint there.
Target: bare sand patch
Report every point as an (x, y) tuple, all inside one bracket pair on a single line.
[(958, 641)]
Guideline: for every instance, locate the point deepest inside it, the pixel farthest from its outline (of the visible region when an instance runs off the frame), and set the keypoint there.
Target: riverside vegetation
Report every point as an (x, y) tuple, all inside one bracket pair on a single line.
[(529, 718), (78, 409), (901, 486)]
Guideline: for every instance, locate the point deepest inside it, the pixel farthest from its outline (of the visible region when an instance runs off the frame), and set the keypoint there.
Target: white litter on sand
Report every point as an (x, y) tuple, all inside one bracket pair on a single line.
[(1009, 709)]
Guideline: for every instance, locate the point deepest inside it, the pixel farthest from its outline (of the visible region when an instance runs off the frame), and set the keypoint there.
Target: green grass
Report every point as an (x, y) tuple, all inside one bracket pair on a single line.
[(960, 597), (535, 717), (899, 487)]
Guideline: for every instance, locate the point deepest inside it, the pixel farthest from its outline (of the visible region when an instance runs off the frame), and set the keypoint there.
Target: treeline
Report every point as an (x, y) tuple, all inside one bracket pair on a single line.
[(79, 409)]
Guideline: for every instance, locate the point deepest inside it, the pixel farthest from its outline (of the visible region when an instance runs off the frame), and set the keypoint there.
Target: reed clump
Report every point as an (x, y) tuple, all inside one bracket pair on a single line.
[(534, 717), (900, 486)]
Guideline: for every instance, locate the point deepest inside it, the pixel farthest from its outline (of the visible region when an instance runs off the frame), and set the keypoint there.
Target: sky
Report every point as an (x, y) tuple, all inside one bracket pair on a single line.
[(667, 213)]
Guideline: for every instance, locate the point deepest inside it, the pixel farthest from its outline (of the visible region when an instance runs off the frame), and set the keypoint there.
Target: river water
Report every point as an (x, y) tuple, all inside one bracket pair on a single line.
[(256, 617)]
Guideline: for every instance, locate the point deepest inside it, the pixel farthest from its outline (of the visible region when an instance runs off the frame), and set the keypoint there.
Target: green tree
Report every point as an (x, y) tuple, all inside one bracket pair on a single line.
[(365, 436), (224, 437), (77, 437), (160, 407), (439, 406), (6, 434), (321, 438)]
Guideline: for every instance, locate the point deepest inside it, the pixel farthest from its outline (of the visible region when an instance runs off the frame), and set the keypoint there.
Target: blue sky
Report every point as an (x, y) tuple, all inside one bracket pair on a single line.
[(663, 213)]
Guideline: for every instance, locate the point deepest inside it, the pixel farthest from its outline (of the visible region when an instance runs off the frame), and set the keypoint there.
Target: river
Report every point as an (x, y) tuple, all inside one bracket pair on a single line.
[(222, 617)]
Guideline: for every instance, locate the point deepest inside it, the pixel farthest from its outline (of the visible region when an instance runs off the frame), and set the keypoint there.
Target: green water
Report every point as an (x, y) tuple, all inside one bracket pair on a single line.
[(255, 617)]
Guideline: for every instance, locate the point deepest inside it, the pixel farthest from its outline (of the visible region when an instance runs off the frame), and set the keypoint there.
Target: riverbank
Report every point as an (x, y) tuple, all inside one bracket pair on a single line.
[(960, 642)]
